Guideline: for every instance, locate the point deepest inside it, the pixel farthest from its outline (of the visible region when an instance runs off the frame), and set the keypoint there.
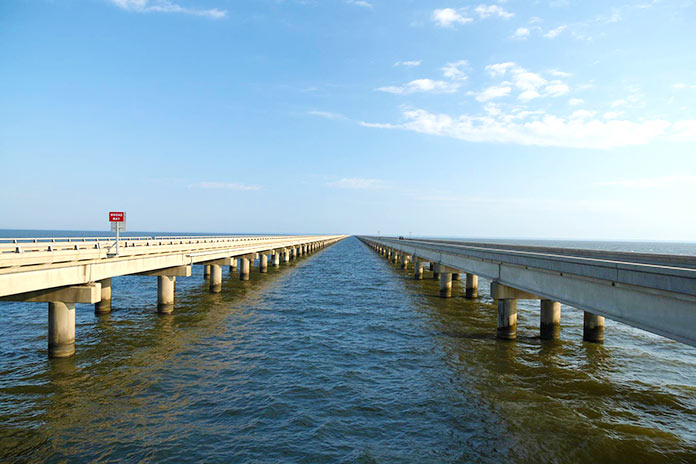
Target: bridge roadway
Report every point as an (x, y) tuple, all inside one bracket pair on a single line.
[(656, 293), (65, 271)]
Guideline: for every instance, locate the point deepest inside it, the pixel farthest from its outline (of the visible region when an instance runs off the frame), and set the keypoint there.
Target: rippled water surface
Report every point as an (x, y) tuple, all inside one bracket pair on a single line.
[(338, 357)]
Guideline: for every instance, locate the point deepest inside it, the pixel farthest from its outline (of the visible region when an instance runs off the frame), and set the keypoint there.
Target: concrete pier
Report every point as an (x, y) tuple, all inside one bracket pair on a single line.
[(471, 285), (215, 278), (455, 276), (593, 328), (233, 266), (263, 262), (404, 261), (165, 294), (417, 269), (206, 271), (445, 284), (436, 270), (286, 256), (550, 320), (61, 329), (104, 305), (244, 267), (507, 319), (276, 259)]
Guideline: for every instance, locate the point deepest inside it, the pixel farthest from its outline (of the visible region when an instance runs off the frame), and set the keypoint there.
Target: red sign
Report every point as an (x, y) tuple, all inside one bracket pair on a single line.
[(116, 216)]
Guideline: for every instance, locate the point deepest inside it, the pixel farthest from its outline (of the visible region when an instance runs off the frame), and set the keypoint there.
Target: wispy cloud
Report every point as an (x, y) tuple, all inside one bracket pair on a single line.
[(225, 186), (408, 64), (167, 6), (326, 114), (653, 182), (553, 33), (359, 183), (521, 33), (484, 11), (421, 85), (456, 70), (361, 3), (449, 17)]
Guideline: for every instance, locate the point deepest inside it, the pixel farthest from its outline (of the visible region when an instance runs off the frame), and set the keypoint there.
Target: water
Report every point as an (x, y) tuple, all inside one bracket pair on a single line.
[(338, 357)]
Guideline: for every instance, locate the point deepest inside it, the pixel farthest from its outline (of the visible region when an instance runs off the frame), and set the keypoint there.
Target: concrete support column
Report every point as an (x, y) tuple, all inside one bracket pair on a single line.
[(215, 278), (417, 269), (206, 271), (165, 294), (436, 271), (455, 276), (61, 329), (550, 320), (404, 261), (104, 306), (395, 258), (593, 328), (286, 256), (276, 260), (471, 285), (233, 266), (244, 268), (445, 285), (507, 319), (263, 262)]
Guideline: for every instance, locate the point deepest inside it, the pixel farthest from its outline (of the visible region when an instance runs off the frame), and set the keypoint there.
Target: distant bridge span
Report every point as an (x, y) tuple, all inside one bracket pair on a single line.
[(65, 271), (656, 293)]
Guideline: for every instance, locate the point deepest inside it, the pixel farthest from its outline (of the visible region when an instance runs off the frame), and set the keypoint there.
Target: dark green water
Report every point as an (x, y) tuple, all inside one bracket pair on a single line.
[(338, 357)]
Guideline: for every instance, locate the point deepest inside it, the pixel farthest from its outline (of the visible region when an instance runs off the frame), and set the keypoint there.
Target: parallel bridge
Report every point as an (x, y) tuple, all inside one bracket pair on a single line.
[(65, 271), (656, 293)]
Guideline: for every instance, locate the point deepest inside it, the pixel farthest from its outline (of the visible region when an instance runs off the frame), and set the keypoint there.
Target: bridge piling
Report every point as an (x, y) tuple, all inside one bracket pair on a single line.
[(507, 319), (471, 286), (215, 278), (104, 305), (550, 320), (445, 285), (165, 294), (61, 329), (244, 268), (593, 328), (263, 262), (417, 269), (206, 271)]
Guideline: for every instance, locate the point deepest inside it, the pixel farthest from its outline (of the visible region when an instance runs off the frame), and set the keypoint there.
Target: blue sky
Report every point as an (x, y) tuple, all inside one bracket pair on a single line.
[(539, 119)]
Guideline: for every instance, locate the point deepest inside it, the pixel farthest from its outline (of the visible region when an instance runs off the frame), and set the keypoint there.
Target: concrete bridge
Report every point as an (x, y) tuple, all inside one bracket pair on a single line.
[(65, 271), (656, 293)]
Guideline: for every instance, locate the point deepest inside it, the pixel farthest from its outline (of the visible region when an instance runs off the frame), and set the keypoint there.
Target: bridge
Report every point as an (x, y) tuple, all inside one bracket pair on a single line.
[(66, 271), (656, 293)]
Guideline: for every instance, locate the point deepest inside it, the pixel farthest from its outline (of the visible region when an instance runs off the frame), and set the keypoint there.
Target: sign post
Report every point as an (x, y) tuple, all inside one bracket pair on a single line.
[(118, 225)]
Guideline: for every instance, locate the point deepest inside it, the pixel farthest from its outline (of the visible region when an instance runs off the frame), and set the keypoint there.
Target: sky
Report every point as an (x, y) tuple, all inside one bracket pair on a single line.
[(560, 119)]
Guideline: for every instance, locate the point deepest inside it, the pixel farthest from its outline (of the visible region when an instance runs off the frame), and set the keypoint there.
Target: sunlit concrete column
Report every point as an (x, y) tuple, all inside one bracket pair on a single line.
[(233, 266), (286, 256), (445, 284), (550, 320), (417, 269), (507, 319), (215, 278), (593, 328), (244, 266), (404, 261), (276, 259), (263, 262), (104, 306), (436, 271), (395, 257), (206, 271), (471, 285), (61, 329), (455, 276), (165, 294)]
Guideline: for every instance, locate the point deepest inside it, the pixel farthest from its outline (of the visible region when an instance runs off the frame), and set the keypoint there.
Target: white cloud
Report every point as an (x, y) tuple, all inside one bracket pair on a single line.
[(613, 114), (449, 17), (484, 11), (681, 85), (422, 85), (576, 101), (543, 129), (166, 6), (499, 70), (521, 33), (531, 85), (653, 182), (408, 64), (358, 183), (494, 91), (556, 89), (326, 114), (225, 186), (553, 33), (455, 70)]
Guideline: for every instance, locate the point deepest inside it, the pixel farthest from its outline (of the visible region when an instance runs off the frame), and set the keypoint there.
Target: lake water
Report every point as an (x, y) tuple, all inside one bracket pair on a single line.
[(338, 357)]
